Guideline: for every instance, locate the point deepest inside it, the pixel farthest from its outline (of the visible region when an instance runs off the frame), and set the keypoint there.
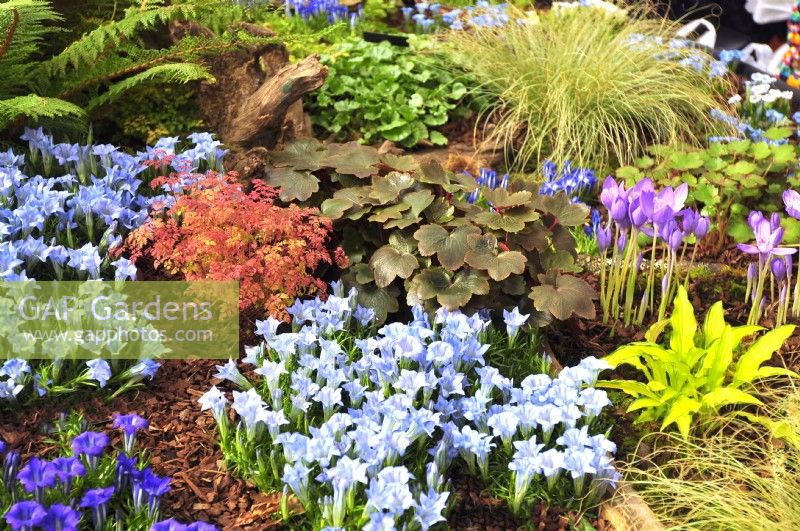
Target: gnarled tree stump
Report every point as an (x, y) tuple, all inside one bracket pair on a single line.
[(256, 102)]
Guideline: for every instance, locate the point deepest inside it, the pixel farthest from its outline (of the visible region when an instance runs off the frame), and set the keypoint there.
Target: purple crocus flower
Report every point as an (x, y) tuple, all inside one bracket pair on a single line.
[(36, 476), (675, 239), (701, 229), (25, 515), (689, 219), (668, 202), (603, 238), (129, 424), (792, 201), (622, 241), (61, 517), (611, 191), (767, 238), (778, 267)]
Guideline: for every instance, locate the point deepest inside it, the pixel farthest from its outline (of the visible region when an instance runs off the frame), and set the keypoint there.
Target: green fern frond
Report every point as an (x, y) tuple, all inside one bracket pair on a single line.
[(168, 73), (89, 48), (22, 31), (37, 108)]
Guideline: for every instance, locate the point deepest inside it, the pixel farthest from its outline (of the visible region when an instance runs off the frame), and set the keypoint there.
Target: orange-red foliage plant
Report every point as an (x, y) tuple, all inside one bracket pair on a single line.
[(215, 230)]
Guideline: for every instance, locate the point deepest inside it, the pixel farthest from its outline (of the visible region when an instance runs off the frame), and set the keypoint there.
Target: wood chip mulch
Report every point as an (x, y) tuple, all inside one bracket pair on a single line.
[(181, 441)]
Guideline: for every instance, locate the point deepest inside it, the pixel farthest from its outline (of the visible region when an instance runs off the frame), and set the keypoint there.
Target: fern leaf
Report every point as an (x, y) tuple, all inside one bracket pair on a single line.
[(86, 50), (37, 108), (167, 73), (22, 32)]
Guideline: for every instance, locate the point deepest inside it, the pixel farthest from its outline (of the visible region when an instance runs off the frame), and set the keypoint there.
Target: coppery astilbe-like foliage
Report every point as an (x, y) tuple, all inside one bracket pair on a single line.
[(215, 230)]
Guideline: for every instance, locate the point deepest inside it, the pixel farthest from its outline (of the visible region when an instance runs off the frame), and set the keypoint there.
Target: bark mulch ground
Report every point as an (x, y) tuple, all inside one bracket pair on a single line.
[(181, 442)]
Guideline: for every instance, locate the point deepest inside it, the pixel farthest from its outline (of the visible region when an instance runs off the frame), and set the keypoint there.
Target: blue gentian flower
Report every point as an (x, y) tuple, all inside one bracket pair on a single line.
[(25, 516)]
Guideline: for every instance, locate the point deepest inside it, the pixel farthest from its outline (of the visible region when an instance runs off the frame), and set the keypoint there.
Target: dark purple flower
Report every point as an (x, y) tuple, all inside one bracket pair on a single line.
[(201, 526), (2, 446), (168, 525), (129, 424), (92, 444), (25, 515), (36, 476), (792, 201), (67, 469), (61, 518), (97, 497), (126, 467), (778, 267), (10, 468), (97, 500)]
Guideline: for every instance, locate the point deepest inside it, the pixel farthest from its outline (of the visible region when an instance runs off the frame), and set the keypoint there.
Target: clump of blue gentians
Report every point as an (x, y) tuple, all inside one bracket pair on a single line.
[(87, 487), (64, 208), (364, 427)]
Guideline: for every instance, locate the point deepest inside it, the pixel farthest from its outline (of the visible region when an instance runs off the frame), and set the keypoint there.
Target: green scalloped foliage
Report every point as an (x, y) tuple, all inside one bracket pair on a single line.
[(407, 229)]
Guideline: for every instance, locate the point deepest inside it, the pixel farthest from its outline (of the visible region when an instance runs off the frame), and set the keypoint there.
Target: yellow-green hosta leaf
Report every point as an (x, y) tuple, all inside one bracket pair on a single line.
[(741, 332), (724, 396), (655, 330), (684, 324), (642, 403), (629, 387), (770, 372), (718, 358), (681, 414), (713, 324), (759, 352)]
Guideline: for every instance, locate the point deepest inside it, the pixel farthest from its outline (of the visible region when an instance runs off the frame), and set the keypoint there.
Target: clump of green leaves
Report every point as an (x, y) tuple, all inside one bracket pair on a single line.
[(408, 228), (727, 180), (377, 91), (699, 372)]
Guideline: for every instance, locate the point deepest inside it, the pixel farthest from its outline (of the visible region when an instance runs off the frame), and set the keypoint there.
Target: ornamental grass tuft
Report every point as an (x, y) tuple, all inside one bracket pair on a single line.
[(586, 85)]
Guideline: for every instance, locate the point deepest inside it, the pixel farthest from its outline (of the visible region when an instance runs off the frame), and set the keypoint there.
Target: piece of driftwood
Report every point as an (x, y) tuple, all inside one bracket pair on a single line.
[(256, 102), (260, 118)]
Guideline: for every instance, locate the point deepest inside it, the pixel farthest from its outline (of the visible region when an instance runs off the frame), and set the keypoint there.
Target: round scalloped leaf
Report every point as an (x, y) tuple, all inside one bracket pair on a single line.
[(567, 296), (507, 263), (403, 243), (435, 282), (300, 154), (500, 198), (403, 223), (293, 185), (433, 173), (440, 211), (389, 263), (352, 159), (449, 247), (419, 200), (566, 213), (512, 220), (335, 208), (482, 251), (388, 187), (383, 215), (382, 300), (534, 237), (400, 163), (363, 273)]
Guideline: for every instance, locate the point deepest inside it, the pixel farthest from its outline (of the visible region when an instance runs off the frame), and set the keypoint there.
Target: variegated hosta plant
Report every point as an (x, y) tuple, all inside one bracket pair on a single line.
[(409, 228), (698, 374)]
